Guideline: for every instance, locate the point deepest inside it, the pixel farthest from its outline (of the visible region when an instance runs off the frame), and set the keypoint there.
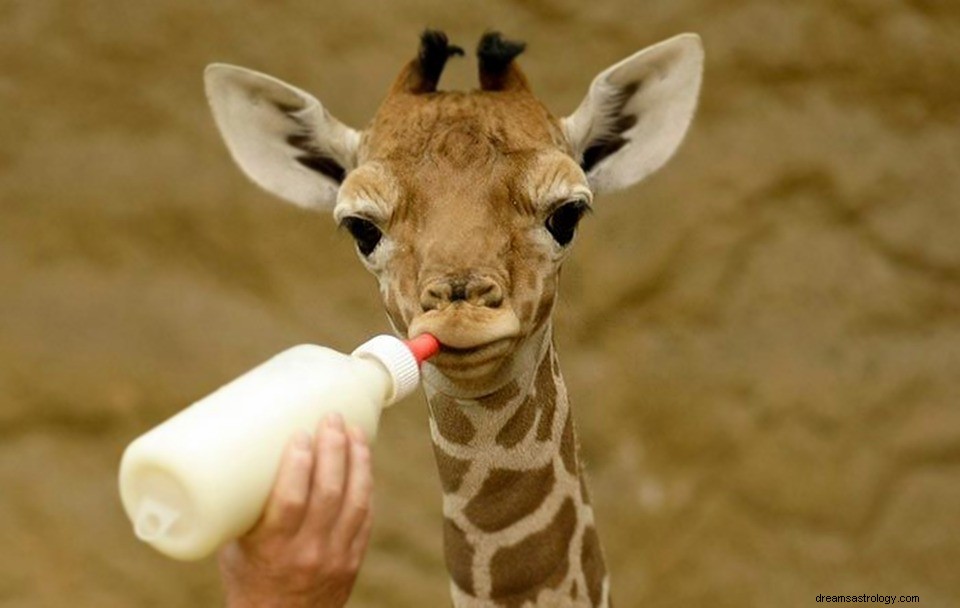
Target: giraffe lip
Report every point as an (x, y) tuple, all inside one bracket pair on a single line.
[(468, 350), (472, 355), (464, 330)]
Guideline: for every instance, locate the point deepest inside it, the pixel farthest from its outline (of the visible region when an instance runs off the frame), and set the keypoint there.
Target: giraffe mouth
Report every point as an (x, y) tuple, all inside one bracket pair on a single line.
[(475, 362), (463, 329), (474, 341), (476, 355)]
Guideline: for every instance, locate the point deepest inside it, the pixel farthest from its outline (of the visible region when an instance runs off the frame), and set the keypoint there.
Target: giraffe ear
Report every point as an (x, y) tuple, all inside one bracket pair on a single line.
[(636, 113), (282, 137)]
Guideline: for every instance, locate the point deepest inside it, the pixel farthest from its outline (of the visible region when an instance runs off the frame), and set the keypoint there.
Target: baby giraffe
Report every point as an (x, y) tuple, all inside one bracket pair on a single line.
[(465, 205)]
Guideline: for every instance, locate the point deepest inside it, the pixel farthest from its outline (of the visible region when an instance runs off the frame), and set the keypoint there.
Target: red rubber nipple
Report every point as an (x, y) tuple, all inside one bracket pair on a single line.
[(423, 347)]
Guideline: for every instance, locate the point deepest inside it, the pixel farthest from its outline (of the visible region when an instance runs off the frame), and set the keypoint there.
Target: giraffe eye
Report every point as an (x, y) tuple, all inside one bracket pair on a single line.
[(562, 223), (364, 232)]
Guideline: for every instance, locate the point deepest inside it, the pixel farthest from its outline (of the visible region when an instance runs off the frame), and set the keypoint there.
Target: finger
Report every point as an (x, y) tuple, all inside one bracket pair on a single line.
[(358, 546), (326, 495), (287, 504), (357, 495)]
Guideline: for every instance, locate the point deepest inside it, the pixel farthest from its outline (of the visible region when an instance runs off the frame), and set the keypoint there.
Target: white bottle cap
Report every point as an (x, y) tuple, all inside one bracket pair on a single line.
[(399, 361)]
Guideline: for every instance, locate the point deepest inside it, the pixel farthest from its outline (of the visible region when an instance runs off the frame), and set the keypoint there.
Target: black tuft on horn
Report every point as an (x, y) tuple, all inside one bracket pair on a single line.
[(435, 50), (496, 54)]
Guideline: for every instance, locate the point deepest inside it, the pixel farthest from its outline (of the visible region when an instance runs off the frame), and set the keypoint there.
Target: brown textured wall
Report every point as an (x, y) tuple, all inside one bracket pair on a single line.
[(762, 341)]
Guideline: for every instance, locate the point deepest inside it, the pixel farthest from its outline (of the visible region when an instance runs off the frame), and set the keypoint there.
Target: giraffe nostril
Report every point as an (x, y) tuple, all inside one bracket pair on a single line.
[(435, 295), (486, 292)]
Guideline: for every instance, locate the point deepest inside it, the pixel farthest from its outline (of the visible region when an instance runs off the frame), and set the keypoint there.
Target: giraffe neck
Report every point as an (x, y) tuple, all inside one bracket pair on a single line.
[(518, 525)]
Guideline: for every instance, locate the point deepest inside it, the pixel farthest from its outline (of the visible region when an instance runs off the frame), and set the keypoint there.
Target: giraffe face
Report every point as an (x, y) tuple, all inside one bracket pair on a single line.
[(464, 206)]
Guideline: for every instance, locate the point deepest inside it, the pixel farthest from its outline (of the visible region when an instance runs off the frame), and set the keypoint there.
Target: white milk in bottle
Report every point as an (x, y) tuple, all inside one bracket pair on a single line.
[(203, 477)]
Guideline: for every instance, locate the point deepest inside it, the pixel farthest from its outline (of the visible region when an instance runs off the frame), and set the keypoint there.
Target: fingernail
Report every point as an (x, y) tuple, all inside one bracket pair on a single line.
[(335, 420), (301, 440), (358, 435)]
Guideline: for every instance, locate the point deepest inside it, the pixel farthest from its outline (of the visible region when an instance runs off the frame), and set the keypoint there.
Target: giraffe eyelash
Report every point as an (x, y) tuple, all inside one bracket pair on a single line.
[(583, 204)]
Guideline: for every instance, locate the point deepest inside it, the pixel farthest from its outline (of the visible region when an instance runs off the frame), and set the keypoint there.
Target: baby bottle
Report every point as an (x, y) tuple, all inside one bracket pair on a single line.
[(203, 477)]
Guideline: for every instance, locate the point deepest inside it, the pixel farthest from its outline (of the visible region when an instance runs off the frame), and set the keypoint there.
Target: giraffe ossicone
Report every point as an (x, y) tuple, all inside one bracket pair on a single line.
[(464, 205)]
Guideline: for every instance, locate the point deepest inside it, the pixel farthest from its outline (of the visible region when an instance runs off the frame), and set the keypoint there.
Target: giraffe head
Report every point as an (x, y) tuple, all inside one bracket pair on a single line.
[(463, 204)]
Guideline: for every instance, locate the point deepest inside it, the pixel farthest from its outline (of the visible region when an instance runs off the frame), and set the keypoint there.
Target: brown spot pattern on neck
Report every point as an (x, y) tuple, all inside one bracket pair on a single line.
[(451, 470), (500, 398), (541, 401), (539, 561), (489, 500), (546, 387), (568, 446), (507, 496), (452, 424), (594, 568), (458, 553), (517, 427)]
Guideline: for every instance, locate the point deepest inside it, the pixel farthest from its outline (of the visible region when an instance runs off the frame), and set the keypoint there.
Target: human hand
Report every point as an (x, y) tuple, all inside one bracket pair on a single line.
[(307, 546)]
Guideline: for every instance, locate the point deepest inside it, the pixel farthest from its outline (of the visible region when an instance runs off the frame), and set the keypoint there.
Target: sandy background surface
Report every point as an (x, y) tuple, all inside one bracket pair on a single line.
[(762, 341)]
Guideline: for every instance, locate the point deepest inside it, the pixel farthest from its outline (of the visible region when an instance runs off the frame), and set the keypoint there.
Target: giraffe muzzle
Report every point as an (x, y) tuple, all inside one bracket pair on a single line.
[(462, 327)]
